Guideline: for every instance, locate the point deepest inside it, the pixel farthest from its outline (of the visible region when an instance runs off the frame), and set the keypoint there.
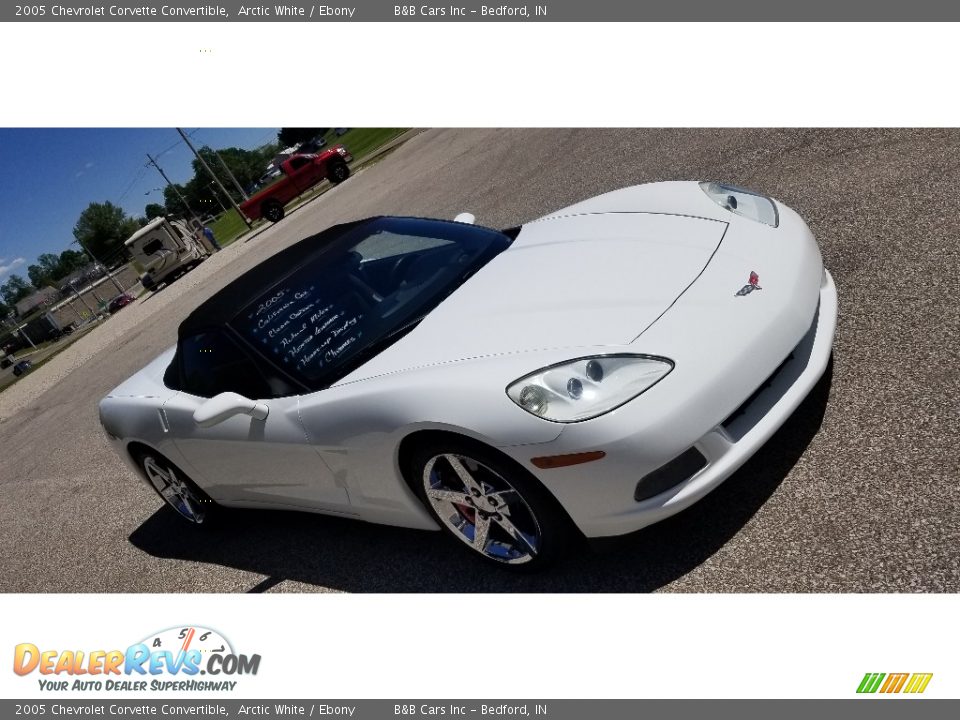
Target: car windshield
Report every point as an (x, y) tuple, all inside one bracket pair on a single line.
[(361, 294)]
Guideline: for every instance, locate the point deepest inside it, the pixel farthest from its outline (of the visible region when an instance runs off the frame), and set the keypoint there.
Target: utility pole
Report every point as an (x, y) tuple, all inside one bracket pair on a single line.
[(80, 298), (230, 175), (97, 262), (210, 187), (174, 188), (22, 331), (214, 178)]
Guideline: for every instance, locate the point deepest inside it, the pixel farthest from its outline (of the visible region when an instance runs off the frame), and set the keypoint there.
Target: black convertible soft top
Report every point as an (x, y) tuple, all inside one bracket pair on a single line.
[(221, 307), (306, 316)]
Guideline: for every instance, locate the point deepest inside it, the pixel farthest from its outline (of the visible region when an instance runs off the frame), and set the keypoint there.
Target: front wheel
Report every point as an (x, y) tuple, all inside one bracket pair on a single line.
[(176, 489), (490, 504)]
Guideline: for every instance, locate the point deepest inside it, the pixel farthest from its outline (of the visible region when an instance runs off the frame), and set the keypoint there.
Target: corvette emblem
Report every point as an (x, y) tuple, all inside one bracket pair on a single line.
[(751, 286)]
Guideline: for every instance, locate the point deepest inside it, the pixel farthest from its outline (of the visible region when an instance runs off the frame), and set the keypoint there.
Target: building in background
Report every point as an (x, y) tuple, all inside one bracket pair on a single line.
[(41, 298)]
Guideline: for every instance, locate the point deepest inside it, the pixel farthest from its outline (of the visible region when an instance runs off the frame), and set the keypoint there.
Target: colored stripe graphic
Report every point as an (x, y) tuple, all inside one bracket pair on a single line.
[(895, 683), (870, 682), (918, 683)]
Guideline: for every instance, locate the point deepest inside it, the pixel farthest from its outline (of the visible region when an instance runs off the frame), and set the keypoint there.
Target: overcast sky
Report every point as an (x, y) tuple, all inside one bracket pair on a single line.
[(50, 175)]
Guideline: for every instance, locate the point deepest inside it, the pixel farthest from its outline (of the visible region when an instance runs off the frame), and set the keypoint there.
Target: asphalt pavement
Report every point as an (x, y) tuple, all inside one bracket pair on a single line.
[(858, 492)]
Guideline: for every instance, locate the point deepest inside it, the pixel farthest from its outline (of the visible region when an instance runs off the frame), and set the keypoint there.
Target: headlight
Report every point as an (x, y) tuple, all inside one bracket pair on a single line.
[(740, 201), (588, 387)]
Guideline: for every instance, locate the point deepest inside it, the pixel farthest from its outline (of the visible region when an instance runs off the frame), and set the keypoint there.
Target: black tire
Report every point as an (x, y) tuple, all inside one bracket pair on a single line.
[(338, 172), (272, 211), (183, 496), (508, 497)]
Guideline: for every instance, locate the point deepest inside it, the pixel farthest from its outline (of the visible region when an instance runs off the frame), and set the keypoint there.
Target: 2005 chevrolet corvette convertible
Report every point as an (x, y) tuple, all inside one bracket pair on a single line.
[(591, 372)]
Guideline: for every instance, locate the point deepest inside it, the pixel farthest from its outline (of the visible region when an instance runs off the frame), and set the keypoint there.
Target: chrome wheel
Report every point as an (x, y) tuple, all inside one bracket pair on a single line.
[(482, 508), (175, 491)]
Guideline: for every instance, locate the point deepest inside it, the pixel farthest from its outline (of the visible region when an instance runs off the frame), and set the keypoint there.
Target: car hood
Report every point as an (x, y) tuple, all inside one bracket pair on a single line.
[(572, 281)]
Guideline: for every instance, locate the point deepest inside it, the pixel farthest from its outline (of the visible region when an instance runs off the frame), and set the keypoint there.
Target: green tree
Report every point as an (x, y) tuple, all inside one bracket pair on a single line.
[(241, 163), (172, 202), (71, 260), (46, 271), (200, 192), (15, 289), (103, 227), (154, 210), (38, 276), (51, 268), (295, 136)]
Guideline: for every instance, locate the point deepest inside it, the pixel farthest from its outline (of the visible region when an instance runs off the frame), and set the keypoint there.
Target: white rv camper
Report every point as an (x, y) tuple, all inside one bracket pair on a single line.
[(165, 249)]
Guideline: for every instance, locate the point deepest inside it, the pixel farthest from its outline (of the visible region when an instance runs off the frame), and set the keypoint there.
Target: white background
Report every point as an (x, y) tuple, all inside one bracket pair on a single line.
[(549, 646), (527, 646), (480, 74)]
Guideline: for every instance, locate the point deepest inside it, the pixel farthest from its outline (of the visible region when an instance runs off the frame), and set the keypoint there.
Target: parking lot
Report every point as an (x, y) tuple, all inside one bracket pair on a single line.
[(858, 492)]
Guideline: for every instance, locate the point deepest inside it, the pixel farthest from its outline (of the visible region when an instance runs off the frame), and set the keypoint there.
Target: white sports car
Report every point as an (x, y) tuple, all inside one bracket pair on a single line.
[(593, 371)]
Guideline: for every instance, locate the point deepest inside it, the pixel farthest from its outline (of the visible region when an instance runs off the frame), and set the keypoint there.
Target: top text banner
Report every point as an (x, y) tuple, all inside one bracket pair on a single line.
[(467, 11)]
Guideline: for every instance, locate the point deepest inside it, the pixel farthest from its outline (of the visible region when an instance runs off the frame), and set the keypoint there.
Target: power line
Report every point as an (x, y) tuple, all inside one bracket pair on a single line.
[(137, 178), (178, 142), (173, 187)]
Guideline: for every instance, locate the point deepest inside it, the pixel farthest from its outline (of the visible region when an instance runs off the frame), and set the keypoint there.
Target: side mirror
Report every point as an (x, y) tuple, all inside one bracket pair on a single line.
[(467, 218), (224, 406)]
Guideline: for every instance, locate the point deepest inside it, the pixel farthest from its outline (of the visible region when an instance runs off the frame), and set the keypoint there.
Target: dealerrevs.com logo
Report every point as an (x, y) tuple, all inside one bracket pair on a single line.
[(173, 659)]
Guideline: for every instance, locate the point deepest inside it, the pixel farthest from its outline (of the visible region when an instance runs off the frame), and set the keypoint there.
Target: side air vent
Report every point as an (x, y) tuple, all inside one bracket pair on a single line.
[(670, 475)]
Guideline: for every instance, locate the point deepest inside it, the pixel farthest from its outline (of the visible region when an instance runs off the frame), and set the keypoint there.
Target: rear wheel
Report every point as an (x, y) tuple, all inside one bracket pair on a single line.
[(338, 172), (272, 211), (176, 489), (490, 504)]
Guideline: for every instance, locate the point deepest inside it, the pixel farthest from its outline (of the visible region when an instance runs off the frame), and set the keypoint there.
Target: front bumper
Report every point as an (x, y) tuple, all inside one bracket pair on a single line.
[(599, 496)]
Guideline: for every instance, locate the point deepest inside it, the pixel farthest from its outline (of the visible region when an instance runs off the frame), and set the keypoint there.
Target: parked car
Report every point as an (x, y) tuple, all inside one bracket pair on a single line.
[(592, 372), (22, 367), (120, 301), (312, 146)]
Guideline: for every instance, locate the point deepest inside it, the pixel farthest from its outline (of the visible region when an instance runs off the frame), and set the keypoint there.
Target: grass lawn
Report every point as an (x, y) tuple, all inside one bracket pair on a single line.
[(7, 380), (363, 141), (30, 349), (228, 227)]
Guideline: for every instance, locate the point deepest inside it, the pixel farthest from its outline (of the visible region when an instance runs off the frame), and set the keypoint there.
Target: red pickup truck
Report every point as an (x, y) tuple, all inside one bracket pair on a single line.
[(300, 173)]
